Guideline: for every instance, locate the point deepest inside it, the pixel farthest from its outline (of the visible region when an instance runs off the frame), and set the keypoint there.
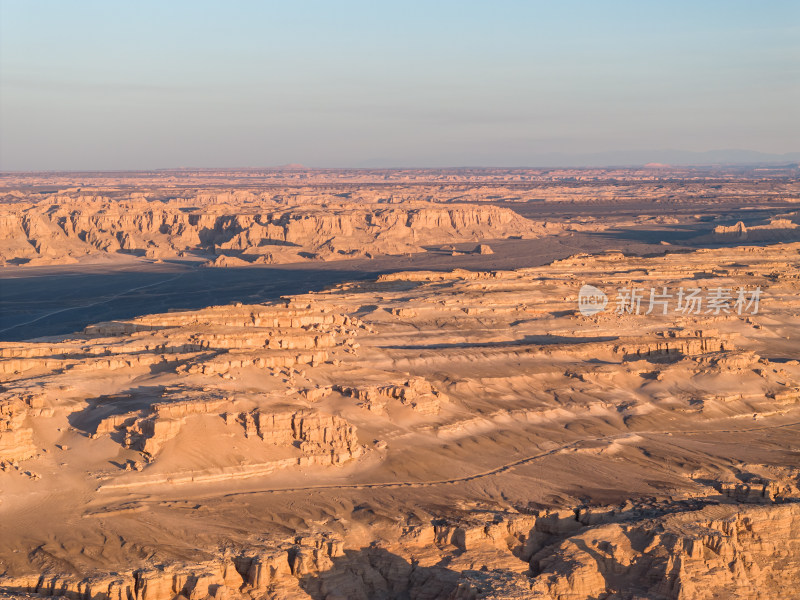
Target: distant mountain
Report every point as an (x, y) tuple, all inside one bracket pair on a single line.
[(620, 158), (687, 158)]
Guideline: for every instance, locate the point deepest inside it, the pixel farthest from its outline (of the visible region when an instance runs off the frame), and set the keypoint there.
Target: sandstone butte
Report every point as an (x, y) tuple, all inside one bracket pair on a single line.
[(65, 229)]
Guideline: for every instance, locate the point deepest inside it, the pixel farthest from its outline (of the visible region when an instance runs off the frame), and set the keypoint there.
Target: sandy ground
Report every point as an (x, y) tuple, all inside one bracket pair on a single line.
[(553, 420), (467, 391)]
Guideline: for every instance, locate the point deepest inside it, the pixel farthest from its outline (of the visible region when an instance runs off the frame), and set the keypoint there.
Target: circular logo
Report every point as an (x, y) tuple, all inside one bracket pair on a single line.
[(591, 300)]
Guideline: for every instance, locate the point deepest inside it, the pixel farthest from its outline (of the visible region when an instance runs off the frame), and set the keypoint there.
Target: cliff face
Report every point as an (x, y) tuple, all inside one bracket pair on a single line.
[(69, 229), (718, 551)]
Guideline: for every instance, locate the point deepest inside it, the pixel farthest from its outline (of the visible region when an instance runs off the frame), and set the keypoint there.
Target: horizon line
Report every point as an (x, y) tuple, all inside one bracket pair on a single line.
[(649, 165)]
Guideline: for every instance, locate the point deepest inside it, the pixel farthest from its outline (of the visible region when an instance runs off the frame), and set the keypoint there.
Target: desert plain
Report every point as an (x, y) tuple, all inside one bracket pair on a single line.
[(561, 384)]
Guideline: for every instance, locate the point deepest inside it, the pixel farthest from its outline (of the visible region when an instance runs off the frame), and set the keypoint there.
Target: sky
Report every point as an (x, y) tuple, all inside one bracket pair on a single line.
[(142, 85)]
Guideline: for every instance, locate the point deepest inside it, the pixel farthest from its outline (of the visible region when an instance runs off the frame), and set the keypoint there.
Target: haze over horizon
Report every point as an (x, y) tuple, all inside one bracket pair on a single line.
[(91, 86)]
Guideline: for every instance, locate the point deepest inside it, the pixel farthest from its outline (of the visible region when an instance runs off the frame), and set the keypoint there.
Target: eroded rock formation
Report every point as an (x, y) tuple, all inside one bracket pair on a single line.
[(453, 435), (65, 228)]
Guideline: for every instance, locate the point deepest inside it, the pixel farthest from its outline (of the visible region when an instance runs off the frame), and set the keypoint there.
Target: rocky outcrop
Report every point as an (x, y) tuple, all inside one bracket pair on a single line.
[(16, 436), (213, 341), (212, 580), (676, 344), (241, 234), (163, 422), (777, 229), (417, 393), (738, 231), (669, 553), (323, 439), (716, 552)]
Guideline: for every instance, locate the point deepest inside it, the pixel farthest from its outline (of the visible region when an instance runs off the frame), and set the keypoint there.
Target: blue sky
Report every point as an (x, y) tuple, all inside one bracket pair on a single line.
[(133, 85)]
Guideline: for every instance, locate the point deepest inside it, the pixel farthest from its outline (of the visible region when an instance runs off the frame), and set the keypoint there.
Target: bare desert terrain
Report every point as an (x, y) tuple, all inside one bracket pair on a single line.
[(453, 384)]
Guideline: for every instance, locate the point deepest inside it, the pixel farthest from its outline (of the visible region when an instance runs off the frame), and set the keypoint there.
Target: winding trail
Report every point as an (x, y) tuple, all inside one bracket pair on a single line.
[(499, 469)]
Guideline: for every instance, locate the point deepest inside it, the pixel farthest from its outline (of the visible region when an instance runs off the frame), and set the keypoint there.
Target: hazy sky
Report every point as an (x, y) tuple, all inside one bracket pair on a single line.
[(132, 85)]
